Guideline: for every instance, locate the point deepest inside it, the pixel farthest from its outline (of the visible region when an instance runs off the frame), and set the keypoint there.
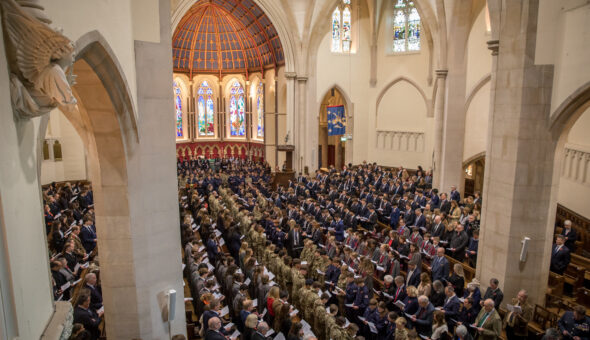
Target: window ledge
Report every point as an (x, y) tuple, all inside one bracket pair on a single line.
[(395, 54)]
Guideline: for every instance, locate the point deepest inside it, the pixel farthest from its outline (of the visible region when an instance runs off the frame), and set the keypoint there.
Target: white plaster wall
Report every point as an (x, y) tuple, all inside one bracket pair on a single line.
[(562, 40), (574, 193), (23, 225), (73, 163), (401, 108), (479, 58), (352, 74), (476, 123), (113, 19)]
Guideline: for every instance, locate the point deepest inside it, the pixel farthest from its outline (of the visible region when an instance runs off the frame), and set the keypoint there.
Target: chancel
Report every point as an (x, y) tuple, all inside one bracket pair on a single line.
[(264, 169)]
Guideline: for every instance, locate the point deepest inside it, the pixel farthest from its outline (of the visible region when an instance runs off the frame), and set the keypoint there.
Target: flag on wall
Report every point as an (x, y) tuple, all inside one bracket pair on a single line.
[(336, 120)]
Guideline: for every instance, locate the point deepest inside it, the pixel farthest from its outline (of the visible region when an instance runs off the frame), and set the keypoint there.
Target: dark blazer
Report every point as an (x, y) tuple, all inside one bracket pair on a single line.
[(214, 335), (559, 259), (451, 308), (572, 237), (89, 319), (87, 236), (440, 268), (424, 318), (415, 278), (95, 297), (495, 295)]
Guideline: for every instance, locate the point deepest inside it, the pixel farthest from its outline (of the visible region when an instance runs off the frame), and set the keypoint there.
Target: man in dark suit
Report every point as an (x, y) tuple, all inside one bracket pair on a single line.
[(459, 242), (295, 241), (422, 319), (437, 227), (394, 217), (493, 292), (455, 195), (560, 256), (413, 278), (440, 266), (420, 220), (451, 306), (570, 236), (214, 330), (84, 315), (88, 236), (95, 294), (445, 204)]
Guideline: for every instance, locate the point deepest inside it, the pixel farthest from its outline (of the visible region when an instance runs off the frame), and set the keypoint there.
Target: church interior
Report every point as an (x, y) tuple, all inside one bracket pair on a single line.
[(295, 169)]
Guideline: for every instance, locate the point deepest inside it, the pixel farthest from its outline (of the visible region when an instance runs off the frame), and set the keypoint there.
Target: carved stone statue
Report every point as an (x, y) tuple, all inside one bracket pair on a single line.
[(39, 57)]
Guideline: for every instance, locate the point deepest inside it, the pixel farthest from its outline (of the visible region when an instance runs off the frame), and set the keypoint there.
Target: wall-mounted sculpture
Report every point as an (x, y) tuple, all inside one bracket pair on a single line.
[(38, 57)]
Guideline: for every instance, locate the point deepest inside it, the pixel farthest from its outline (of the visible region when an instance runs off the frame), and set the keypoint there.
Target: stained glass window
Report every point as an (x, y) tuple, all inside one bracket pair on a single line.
[(205, 110), (336, 30), (341, 27), (260, 110), (237, 121), (178, 110), (406, 27)]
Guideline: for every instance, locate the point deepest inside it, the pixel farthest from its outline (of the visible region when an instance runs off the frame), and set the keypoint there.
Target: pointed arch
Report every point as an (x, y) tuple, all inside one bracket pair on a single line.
[(427, 102)]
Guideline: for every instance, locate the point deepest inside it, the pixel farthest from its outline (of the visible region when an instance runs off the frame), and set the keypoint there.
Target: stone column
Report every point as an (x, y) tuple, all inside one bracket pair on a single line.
[(519, 161), (302, 146), (291, 112), (439, 115)]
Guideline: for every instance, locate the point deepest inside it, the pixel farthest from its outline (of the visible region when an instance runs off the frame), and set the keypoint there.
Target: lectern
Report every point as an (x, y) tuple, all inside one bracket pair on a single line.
[(283, 177)]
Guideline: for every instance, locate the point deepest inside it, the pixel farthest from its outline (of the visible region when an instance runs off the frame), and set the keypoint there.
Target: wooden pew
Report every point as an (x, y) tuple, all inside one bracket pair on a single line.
[(555, 284), (542, 319)]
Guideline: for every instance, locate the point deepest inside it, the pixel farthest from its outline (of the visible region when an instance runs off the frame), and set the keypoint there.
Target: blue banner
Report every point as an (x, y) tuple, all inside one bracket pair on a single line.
[(336, 120)]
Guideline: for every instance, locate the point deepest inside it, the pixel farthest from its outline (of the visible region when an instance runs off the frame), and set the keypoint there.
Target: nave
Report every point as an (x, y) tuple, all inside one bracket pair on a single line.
[(368, 275)]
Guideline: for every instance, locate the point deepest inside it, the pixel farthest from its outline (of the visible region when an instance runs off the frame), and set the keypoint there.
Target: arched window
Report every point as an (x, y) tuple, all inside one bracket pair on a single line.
[(205, 110), (341, 27), (260, 110), (237, 127), (406, 27), (178, 110)]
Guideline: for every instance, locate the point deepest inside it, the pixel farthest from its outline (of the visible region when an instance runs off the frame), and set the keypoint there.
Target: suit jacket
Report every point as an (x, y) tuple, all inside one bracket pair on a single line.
[(87, 236), (559, 259), (495, 295), (214, 335), (258, 336), (424, 318), (415, 278), (451, 308), (440, 268), (572, 236), (420, 222), (89, 319), (95, 297), (445, 206), (292, 243), (492, 327), (437, 229)]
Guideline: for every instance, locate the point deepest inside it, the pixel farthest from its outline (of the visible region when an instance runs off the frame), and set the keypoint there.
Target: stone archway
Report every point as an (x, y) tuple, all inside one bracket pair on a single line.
[(105, 120)]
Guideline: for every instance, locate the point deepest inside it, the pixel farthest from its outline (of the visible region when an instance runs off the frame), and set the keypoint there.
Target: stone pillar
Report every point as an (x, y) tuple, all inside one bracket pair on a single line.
[(519, 160), (439, 115), (291, 112), (301, 147)]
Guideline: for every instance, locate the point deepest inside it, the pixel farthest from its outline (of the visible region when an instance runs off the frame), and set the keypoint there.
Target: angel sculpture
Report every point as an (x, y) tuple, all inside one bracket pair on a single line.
[(38, 57)]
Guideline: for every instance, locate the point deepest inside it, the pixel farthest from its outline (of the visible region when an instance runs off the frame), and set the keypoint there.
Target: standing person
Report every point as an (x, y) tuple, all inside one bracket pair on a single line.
[(439, 326), (294, 241), (569, 235), (488, 322), (515, 322), (560, 256), (84, 315), (493, 292)]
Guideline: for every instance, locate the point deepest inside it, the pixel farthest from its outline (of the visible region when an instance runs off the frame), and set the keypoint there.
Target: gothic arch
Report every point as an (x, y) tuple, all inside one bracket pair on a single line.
[(481, 83), (105, 118), (566, 114), (427, 101)]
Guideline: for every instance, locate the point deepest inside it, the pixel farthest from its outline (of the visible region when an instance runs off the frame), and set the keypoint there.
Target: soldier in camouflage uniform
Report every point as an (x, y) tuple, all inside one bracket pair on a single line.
[(319, 316), (309, 300), (337, 328), (300, 296)]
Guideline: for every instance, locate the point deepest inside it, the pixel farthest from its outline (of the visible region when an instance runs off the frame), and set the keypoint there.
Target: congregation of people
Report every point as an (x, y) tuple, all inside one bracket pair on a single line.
[(359, 253), (73, 254)]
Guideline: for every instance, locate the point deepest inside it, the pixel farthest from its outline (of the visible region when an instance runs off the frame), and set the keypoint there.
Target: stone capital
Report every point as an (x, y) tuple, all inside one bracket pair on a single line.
[(302, 78), (494, 46), (441, 73), (290, 75)]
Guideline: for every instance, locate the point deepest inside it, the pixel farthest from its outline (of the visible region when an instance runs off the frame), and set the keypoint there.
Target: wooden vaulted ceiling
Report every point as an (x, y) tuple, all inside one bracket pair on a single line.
[(225, 36)]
